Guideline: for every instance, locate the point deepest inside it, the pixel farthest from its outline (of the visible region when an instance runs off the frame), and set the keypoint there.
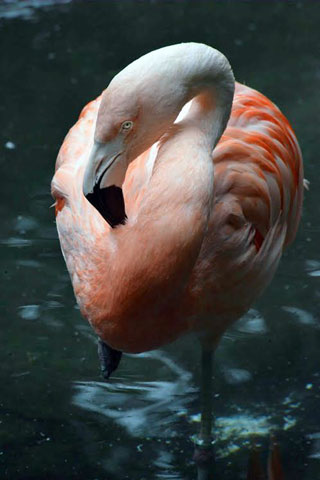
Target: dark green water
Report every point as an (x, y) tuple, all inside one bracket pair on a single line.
[(59, 420)]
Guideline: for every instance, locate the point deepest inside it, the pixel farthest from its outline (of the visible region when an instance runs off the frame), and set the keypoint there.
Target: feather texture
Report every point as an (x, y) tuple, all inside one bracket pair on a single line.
[(203, 238)]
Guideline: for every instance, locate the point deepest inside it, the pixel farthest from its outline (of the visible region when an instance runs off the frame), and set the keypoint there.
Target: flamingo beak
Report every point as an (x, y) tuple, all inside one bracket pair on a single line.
[(104, 167), (103, 179)]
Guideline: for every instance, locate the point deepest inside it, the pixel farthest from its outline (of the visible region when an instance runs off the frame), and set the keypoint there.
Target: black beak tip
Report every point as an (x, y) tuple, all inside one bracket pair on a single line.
[(109, 202), (109, 358)]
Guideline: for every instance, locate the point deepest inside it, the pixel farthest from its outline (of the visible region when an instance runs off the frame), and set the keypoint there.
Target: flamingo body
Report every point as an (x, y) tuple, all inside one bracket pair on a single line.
[(201, 242)]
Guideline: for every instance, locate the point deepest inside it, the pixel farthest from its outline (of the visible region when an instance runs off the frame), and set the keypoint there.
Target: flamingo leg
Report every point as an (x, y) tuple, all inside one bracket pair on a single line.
[(203, 453), (206, 397), (109, 358)]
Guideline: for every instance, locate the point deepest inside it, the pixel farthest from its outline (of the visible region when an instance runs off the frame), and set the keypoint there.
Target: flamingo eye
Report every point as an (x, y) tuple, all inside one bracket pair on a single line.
[(126, 126)]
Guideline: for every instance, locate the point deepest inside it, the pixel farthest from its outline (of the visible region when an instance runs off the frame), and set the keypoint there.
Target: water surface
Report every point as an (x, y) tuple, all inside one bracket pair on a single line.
[(59, 420)]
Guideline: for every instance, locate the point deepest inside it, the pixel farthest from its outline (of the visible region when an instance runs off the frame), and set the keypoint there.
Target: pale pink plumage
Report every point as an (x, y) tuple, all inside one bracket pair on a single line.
[(195, 251)]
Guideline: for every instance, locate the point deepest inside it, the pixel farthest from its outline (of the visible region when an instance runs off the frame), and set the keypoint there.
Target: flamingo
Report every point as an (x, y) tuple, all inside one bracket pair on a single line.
[(176, 192)]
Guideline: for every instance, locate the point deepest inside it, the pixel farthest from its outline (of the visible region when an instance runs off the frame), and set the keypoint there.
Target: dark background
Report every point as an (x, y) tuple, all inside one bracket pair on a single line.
[(58, 419)]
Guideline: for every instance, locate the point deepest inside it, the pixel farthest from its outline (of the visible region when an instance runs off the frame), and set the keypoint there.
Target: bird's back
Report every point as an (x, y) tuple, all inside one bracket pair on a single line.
[(260, 147), (258, 199)]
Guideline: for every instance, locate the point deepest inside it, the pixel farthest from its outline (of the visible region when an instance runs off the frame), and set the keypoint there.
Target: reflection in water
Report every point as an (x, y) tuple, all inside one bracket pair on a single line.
[(29, 312), (300, 315), (151, 409), (252, 322), (156, 403), (235, 376), (16, 242), (315, 442), (158, 410), (313, 268)]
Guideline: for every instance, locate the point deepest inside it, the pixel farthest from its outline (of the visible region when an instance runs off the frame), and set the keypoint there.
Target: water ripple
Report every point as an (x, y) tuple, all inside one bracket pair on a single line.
[(16, 242), (252, 322), (301, 316), (25, 8), (29, 312), (156, 403), (313, 268)]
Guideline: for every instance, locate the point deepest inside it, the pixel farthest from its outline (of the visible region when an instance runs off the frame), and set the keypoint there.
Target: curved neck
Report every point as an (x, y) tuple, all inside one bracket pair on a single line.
[(211, 86), (152, 91), (159, 84), (185, 72)]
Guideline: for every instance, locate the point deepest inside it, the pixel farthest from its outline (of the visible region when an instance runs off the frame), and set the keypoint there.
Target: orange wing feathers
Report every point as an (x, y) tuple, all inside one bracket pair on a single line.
[(259, 158)]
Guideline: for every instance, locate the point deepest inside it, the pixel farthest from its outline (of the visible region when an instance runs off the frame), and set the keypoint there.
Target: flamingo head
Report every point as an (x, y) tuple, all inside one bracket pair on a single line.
[(115, 137), (134, 112)]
